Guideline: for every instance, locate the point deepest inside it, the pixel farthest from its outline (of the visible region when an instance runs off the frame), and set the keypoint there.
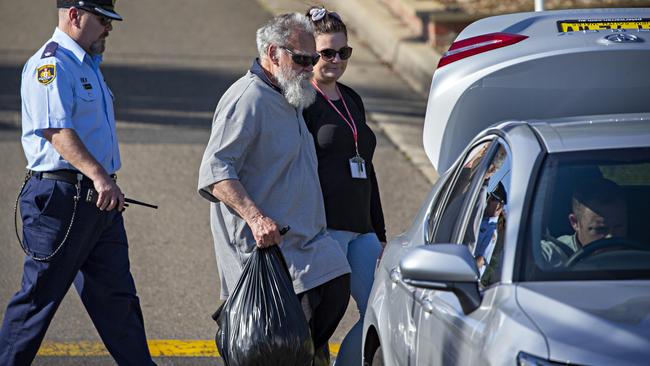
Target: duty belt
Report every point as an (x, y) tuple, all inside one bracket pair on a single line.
[(68, 176)]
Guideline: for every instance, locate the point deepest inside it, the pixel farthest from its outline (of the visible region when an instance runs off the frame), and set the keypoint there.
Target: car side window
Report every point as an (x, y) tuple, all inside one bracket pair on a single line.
[(447, 209), (484, 232)]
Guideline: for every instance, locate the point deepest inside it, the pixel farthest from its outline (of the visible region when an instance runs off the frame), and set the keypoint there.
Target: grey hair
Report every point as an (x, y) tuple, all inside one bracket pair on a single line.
[(279, 29)]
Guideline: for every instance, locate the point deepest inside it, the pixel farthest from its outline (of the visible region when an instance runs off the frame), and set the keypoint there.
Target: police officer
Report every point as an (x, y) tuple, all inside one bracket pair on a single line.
[(71, 147)]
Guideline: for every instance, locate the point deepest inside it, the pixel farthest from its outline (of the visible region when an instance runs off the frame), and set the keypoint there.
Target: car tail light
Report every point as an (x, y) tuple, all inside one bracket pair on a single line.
[(475, 45)]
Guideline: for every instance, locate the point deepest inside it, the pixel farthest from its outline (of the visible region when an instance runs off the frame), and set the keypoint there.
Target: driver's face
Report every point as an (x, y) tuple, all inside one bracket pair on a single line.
[(600, 222)]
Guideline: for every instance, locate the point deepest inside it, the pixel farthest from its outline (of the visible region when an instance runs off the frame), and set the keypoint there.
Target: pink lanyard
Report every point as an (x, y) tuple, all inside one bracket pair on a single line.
[(350, 123)]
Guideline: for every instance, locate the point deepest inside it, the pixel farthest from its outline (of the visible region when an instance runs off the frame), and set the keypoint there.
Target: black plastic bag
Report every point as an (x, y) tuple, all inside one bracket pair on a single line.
[(262, 322)]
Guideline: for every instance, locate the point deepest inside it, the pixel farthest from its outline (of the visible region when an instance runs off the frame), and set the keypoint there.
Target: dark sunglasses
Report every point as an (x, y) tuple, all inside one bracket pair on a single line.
[(329, 54), (103, 20), (301, 59)]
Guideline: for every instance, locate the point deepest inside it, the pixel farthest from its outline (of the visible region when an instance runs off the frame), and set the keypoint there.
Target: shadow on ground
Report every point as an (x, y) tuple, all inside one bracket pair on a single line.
[(160, 95)]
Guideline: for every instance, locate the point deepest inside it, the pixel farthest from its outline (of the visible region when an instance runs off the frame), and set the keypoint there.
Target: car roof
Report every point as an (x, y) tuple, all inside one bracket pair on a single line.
[(594, 132), (549, 75)]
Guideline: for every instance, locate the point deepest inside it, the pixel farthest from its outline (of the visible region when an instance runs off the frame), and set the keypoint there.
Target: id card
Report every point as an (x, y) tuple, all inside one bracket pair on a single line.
[(358, 167)]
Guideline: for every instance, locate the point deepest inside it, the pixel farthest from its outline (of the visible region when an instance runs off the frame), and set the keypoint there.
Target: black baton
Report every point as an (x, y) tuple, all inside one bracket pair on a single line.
[(135, 202), (92, 196)]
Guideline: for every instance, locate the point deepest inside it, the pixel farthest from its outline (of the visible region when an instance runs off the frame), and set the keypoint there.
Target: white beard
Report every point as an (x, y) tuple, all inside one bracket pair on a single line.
[(296, 87)]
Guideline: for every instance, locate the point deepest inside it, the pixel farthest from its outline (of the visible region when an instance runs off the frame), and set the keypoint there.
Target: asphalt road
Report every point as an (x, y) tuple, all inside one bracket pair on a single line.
[(168, 65)]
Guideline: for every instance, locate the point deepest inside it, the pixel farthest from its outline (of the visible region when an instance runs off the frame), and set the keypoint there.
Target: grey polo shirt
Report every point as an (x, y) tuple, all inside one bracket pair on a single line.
[(261, 140)]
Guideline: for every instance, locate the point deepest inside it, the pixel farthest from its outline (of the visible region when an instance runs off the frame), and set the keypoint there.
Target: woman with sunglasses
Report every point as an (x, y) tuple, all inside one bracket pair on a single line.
[(345, 146)]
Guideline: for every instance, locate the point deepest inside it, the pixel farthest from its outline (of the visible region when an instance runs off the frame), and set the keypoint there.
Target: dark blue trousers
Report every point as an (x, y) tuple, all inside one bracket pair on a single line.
[(94, 258)]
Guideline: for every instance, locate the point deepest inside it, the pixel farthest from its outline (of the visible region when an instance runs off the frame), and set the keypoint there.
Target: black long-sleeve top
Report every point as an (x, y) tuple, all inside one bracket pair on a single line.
[(351, 204)]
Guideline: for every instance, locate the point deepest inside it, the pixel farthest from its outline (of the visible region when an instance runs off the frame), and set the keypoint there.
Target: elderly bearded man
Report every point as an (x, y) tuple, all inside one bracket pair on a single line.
[(259, 172)]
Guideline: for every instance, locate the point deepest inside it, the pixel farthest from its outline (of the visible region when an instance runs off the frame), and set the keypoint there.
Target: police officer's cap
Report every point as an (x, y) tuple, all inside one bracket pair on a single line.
[(99, 7), (499, 194)]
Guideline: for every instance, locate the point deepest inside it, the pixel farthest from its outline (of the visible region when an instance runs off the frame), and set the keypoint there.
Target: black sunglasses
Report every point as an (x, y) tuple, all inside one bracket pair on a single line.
[(329, 54), (103, 20), (302, 59)]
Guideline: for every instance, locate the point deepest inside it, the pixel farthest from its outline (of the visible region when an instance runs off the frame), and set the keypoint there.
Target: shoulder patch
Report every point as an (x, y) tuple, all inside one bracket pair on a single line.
[(46, 74), (50, 50)]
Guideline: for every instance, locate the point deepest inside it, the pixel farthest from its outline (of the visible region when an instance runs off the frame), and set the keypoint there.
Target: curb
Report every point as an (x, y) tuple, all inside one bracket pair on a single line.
[(391, 41)]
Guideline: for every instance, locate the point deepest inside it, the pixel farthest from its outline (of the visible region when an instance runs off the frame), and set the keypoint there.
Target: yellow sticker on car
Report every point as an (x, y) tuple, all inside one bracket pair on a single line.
[(577, 25), (46, 74)]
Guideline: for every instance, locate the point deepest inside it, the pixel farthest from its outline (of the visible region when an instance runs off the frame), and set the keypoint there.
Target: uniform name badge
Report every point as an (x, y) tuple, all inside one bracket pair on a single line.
[(358, 167)]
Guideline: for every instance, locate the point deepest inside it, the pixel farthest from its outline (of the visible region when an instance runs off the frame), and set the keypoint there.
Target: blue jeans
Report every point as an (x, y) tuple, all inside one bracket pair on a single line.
[(362, 252)]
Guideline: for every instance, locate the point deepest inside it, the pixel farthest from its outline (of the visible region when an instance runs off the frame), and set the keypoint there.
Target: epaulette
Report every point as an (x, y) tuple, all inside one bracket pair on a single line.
[(50, 49)]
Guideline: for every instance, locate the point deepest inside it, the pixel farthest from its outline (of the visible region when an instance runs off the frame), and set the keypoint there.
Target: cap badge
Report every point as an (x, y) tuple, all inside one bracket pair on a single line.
[(46, 74)]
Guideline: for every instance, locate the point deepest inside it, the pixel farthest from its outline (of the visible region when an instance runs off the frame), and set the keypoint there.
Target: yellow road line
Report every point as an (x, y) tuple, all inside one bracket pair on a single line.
[(158, 348), (183, 348)]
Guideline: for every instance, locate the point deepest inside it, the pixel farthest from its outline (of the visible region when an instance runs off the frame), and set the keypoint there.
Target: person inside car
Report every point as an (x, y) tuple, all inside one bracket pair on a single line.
[(598, 211)]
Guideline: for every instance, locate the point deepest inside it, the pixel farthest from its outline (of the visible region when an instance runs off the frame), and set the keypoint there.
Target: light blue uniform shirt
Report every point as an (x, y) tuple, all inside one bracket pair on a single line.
[(65, 88)]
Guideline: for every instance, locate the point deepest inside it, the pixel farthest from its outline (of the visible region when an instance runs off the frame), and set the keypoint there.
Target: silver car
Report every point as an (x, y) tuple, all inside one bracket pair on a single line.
[(533, 247)]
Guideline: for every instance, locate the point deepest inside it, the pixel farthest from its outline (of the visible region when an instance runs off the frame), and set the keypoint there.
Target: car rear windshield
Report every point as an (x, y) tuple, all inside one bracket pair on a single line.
[(590, 218)]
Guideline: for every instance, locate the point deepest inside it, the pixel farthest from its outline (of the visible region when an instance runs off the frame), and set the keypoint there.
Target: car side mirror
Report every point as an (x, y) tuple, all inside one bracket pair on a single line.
[(444, 267)]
